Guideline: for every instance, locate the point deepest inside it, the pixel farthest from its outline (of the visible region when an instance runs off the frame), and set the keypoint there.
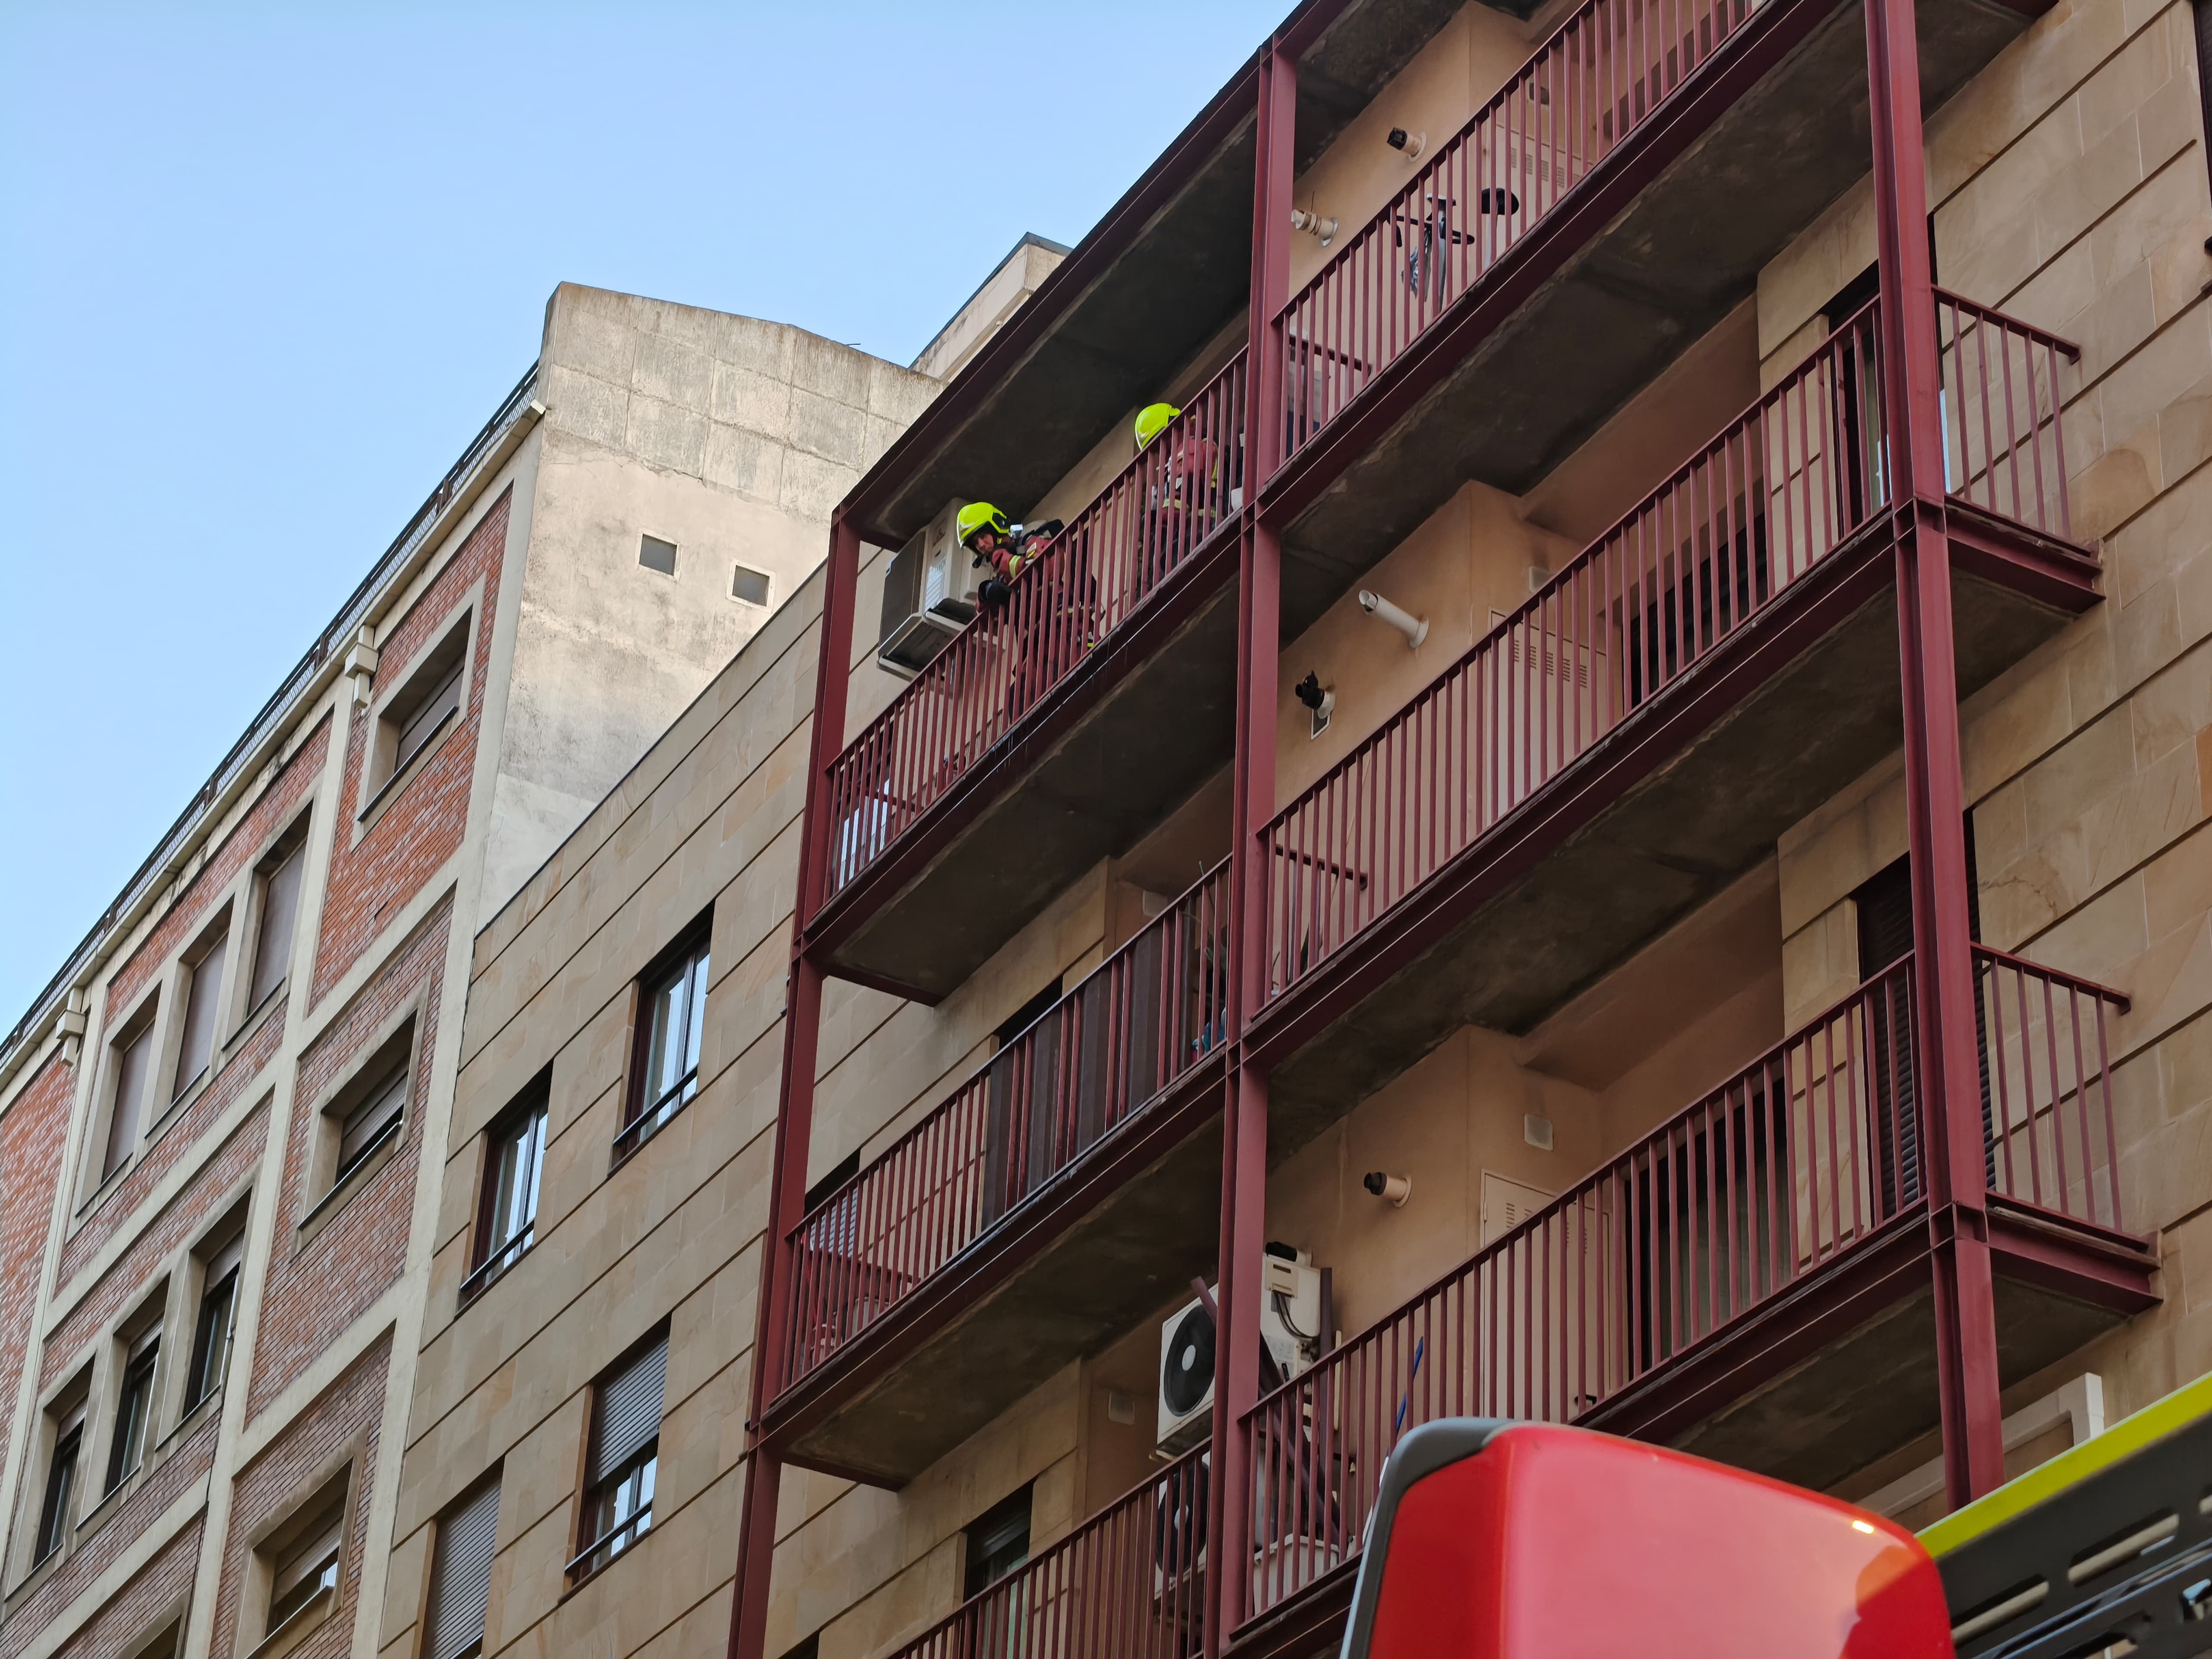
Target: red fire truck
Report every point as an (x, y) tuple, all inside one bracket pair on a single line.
[(1521, 1540)]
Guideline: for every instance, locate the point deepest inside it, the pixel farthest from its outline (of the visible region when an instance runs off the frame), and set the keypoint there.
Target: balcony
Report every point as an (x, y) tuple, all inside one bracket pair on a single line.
[(1053, 733), (1611, 204), (1764, 1253), (1648, 723), (1779, 1222), (1057, 1196)]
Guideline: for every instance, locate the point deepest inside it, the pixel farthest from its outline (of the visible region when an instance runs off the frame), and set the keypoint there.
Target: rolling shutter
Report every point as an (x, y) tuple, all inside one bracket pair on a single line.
[(460, 1582), (626, 1415)]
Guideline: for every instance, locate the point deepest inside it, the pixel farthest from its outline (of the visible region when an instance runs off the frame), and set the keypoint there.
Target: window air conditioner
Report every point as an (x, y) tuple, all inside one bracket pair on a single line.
[(929, 594), (1289, 1324)]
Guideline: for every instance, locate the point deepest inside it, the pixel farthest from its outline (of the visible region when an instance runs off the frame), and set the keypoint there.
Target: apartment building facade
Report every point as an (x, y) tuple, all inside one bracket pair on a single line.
[(214, 1123), (1605, 828)]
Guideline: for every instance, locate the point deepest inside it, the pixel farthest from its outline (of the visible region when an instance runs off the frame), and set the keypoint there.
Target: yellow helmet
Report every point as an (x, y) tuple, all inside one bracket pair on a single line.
[(978, 516), (1153, 419)]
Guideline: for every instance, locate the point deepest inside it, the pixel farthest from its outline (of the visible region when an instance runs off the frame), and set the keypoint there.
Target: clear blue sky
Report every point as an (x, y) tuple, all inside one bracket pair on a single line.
[(264, 270)]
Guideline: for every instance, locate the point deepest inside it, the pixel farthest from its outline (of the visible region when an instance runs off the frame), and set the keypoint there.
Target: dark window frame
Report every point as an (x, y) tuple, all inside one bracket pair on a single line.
[(646, 1110), (287, 858), (616, 1512), (997, 1543), (133, 1435), (135, 1037), (215, 1319), (65, 1462), (526, 1122)]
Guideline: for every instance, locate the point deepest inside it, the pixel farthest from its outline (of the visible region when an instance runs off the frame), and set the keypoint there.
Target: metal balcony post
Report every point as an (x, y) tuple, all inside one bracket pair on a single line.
[(795, 1114), (1949, 1089), (1244, 1111)]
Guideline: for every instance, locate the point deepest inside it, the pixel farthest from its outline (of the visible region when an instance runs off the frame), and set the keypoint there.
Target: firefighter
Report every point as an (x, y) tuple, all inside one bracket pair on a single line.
[(1007, 549)]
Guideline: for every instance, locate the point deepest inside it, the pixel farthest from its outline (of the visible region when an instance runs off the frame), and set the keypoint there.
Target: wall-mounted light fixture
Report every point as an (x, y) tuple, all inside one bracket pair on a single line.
[(1415, 629), (1411, 143), (1320, 698), (1393, 1190), (1313, 225)]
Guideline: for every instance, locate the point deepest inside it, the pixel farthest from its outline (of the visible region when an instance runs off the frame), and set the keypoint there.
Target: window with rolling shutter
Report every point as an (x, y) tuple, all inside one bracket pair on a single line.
[(460, 1577), (624, 1455)]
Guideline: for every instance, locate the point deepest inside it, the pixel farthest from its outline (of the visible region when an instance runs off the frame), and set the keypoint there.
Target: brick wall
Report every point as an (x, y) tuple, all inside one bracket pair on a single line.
[(30, 1162), (176, 1469), (182, 1219), (315, 1291), (416, 832), (241, 1072), (129, 1618), (177, 929), (348, 1414)]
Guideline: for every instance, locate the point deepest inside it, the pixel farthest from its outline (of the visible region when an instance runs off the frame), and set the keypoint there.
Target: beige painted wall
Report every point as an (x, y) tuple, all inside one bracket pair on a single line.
[(2069, 185), (729, 437)]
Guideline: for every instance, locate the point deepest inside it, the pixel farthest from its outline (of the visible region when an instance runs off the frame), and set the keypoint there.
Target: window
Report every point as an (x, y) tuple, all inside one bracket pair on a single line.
[(624, 1453), (371, 1120), (204, 985), (514, 1153), (749, 585), (211, 1330), (460, 1577), (134, 1407), (134, 1058), (438, 704), (654, 554), (425, 706), (308, 1566), (998, 1542), (61, 1477), (280, 907), (671, 1021)]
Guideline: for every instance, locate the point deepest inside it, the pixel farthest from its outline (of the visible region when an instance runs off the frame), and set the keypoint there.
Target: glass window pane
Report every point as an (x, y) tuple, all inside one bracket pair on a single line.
[(211, 1340), (198, 1042), (421, 725), (272, 945), (131, 1067), (61, 1486), (133, 1413), (367, 1121)]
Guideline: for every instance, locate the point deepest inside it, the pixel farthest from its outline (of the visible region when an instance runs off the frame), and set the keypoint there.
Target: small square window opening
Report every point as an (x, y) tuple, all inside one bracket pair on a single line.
[(750, 586), (654, 554)]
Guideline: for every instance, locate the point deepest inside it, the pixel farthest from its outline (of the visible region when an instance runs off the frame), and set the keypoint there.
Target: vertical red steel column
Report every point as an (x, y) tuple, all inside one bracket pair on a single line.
[(1949, 1081), (795, 1112), (1244, 1112)]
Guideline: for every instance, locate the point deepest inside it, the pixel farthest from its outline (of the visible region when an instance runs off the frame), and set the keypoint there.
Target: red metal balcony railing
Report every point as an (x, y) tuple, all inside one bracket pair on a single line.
[(2047, 1089), (1791, 1163), (1600, 75), (1752, 514), (2004, 448), (1155, 514), (1129, 1582), (1789, 1166), (1153, 1011), (1741, 520)]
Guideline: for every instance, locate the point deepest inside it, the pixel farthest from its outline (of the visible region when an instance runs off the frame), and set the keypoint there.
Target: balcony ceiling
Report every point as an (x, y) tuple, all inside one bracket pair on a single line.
[(1625, 304), (1065, 1290), (1117, 337)]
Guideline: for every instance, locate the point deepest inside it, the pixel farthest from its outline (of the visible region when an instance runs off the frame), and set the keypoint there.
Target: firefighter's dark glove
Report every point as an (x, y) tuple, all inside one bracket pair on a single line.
[(992, 593)]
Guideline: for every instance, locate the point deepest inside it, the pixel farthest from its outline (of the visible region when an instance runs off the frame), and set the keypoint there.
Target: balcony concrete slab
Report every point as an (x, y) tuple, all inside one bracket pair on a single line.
[(1056, 1284), (1873, 1390), (1137, 731), (1607, 316)]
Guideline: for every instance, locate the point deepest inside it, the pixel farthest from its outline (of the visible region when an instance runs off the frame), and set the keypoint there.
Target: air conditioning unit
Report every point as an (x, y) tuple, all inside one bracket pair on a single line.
[(929, 594), (1290, 1325)]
